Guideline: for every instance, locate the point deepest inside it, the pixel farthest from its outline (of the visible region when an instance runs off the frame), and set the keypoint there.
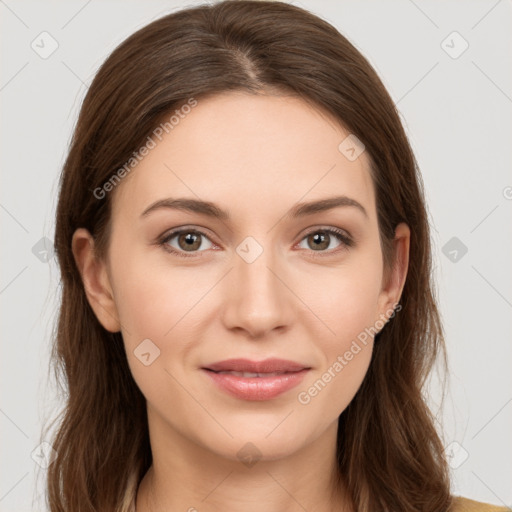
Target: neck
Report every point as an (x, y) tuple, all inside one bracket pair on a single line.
[(188, 477)]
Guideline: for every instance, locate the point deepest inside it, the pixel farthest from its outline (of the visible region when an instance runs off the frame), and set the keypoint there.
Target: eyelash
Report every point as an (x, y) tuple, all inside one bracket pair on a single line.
[(345, 240)]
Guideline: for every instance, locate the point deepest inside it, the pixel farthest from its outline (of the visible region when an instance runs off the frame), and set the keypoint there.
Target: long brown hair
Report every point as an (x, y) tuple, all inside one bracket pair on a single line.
[(389, 451)]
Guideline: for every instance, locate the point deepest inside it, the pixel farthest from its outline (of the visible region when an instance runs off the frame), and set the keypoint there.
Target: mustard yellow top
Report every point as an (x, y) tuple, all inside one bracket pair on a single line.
[(461, 504)]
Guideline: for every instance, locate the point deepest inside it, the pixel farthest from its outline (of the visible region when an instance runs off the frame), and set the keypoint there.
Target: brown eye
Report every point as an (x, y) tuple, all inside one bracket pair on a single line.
[(321, 240), (188, 241)]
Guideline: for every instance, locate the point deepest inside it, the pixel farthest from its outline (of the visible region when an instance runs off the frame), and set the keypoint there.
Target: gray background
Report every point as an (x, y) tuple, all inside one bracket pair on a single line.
[(456, 109)]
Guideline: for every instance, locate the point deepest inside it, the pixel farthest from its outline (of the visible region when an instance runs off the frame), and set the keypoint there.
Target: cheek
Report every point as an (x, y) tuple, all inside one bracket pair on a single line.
[(345, 298), (152, 297), (149, 299), (156, 307)]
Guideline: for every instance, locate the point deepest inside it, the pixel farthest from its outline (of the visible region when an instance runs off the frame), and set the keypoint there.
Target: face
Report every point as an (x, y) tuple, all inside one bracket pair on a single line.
[(188, 289)]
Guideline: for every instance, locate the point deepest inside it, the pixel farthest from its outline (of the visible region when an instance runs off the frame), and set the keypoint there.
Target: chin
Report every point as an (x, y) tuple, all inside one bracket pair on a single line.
[(254, 441)]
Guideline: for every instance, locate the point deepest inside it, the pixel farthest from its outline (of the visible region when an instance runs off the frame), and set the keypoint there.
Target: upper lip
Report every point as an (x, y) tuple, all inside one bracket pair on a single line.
[(265, 366)]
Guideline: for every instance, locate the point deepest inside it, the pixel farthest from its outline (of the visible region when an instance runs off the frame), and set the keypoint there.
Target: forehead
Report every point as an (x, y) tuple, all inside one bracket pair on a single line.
[(266, 151)]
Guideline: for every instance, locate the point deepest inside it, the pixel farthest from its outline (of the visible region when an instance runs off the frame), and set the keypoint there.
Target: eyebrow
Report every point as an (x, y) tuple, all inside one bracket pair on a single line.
[(212, 210)]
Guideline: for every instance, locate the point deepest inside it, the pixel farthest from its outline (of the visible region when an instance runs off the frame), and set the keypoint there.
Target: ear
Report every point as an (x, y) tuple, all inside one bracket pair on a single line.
[(95, 279), (394, 278)]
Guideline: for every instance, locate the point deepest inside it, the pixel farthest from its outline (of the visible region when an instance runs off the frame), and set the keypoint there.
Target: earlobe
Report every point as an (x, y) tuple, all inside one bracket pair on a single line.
[(392, 289), (95, 280)]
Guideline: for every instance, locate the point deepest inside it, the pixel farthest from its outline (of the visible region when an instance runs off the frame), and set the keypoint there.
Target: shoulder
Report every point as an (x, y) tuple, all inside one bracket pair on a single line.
[(460, 504)]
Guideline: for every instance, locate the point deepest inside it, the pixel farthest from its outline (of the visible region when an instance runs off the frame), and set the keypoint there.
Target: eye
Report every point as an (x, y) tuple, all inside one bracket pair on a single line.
[(319, 240), (187, 240)]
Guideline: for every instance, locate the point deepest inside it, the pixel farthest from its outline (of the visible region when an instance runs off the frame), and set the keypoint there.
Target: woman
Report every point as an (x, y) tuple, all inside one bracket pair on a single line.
[(247, 314)]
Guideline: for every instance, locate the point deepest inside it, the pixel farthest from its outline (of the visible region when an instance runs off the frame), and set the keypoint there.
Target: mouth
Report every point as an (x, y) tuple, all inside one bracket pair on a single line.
[(265, 367), (253, 380), (250, 374)]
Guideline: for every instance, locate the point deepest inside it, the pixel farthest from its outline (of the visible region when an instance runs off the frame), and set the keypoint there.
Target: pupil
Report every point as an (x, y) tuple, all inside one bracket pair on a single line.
[(191, 241), (320, 240)]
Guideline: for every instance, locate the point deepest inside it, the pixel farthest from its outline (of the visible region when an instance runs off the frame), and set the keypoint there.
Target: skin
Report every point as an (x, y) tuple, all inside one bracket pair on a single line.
[(215, 305)]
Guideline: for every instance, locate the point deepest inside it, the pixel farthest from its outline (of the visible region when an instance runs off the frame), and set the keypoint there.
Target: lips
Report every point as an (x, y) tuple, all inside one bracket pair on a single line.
[(252, 374), (267, 366), (256, 380)]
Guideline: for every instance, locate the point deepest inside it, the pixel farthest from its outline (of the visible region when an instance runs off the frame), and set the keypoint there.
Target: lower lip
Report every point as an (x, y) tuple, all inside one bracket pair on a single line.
[(256, 388)]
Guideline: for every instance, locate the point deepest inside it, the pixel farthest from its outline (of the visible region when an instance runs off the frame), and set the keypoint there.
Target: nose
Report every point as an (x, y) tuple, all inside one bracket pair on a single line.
[(258, 298)]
